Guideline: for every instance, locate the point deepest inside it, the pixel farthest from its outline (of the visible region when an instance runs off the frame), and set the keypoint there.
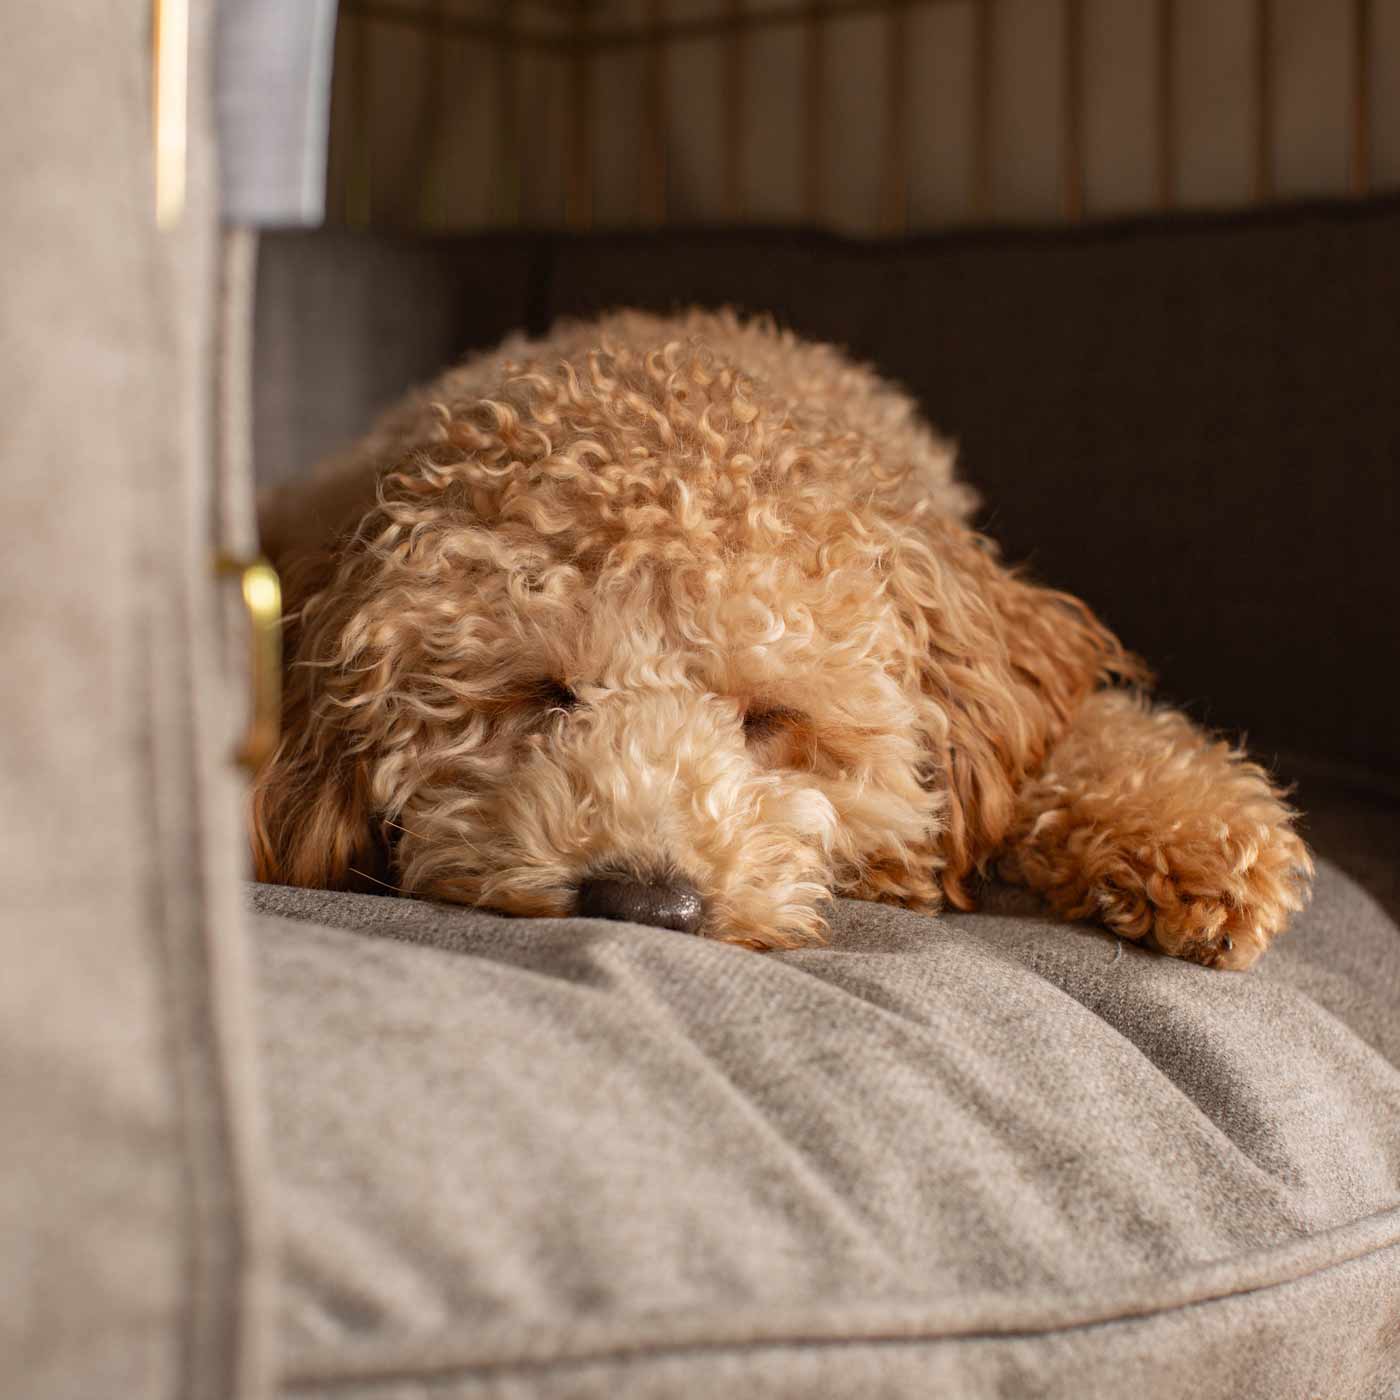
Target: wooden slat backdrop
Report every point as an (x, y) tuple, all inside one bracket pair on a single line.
[(508, 27)]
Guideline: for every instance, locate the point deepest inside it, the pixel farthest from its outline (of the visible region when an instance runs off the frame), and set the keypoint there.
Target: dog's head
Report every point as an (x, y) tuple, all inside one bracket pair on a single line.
[(628, 640)]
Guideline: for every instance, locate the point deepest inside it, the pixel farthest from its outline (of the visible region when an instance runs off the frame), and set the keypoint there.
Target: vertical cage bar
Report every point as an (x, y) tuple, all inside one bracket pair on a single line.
[(578, 198), (1072, 112), (505, 193), (432, 135), (981, 192), (358, 186), (1164, 102), (895, 167), (655, 119), (732, 97), (812, 109), (1361, 33), (1263, 101)]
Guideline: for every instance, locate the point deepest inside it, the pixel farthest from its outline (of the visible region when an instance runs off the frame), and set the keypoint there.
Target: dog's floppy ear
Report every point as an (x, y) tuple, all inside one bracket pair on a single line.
[(1002, 665), (311, 820)]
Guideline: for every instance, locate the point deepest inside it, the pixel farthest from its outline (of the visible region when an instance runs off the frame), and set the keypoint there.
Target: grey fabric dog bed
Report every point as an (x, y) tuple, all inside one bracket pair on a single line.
[(976, 1155), (970, 1155)]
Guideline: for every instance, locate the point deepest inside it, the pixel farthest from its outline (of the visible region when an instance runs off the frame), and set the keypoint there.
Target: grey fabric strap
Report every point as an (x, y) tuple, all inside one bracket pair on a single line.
[(273, 103)]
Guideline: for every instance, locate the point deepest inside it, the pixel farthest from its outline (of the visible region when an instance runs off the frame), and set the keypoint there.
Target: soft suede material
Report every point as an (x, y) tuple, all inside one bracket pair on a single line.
[(132, 1264), (987, 1152)]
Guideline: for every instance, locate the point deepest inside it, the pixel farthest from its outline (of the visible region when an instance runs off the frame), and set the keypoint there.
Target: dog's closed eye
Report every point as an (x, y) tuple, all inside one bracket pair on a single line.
[(779, 736), (554, 695), (765, 721)]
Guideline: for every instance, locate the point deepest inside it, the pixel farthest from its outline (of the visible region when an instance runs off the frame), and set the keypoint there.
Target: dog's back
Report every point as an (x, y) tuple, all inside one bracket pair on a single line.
[(827, 396)]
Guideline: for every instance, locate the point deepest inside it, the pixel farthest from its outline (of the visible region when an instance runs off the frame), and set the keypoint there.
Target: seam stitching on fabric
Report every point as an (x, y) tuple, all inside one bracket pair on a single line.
[(662, 1348)]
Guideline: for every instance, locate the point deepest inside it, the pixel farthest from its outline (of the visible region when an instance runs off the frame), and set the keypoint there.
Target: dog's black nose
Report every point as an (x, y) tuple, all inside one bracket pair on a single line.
[(664, 903)]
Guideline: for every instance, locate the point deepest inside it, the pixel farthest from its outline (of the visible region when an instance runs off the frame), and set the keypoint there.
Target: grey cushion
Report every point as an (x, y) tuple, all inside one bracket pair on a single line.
[(976, 1155)]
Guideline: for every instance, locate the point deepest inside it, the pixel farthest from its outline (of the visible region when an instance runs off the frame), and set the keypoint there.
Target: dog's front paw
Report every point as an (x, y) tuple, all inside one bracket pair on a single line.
[(1217, 902), (1215, 891), (1162, 833)]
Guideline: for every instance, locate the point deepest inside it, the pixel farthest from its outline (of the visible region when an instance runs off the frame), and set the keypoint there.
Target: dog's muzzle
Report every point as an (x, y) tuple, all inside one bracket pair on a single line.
[(665, 903)]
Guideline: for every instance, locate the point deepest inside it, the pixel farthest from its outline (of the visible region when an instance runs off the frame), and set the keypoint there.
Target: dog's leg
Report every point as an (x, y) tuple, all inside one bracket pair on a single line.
[(1144, 823)]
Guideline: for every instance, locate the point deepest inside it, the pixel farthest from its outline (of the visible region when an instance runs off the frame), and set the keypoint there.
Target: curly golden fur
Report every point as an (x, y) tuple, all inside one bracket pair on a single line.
[(692, 600)]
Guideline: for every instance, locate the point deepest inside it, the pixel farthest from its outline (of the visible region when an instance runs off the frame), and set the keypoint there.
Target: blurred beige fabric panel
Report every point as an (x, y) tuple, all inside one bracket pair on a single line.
[(132, 1261)]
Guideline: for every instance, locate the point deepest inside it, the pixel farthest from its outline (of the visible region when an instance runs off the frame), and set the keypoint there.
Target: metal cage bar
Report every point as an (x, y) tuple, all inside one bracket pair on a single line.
[(980, 195), (655, 126), (733, 93), (1361, 38), (430, 116), (359, 200), (894, 175), (1164, 102), (813, 76), (578, 201), (505, 176), (1072, 112), (1263, 101)]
